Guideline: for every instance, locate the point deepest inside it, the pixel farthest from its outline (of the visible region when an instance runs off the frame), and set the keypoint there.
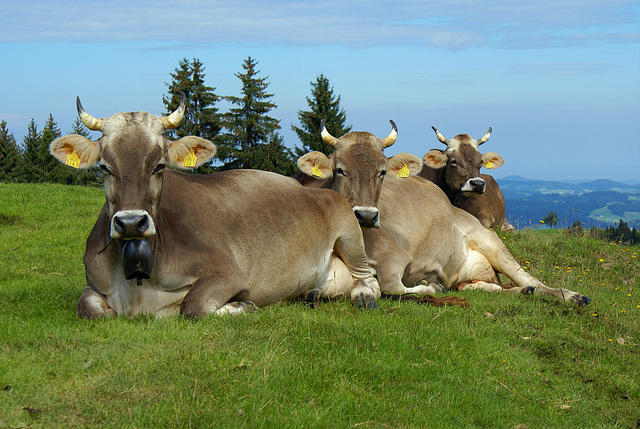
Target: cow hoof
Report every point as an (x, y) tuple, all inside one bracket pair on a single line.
[(583, 300), (363, 301), (529, 290), (312, 296)]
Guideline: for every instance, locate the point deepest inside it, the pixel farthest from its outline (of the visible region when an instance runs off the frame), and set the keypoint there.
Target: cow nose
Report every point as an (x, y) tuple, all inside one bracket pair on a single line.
[(132, 224), (368, 217), (477, 185)]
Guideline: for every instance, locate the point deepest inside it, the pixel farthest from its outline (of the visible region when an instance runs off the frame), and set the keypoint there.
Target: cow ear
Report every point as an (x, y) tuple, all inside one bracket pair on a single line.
[(492, 160), (317, 165), (435, 159), (403, 165), (190, 152), (76, 151)]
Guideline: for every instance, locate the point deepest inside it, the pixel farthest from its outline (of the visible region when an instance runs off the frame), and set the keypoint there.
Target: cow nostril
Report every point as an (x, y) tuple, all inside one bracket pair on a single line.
[(143, 224), (119, 225)]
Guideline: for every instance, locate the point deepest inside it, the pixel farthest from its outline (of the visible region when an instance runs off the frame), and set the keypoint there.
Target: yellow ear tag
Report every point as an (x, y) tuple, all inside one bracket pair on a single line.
[(404, 171), (73, 160), (190, 160), (316, 171), (489, 164)]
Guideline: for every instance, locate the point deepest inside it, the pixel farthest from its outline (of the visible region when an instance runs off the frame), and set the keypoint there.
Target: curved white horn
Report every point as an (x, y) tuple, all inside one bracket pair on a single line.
[(89, 121), (440, 136), (485, 137), (391, 138), (173, 120), (326, 137)]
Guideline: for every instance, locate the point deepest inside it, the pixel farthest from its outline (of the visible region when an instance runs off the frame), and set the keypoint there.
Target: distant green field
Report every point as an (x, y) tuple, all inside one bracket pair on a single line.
[(603, 214), (504, 362)]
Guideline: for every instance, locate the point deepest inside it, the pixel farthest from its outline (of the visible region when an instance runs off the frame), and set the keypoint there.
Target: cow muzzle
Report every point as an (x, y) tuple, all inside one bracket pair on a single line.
[(475, 185), (137, 260), (132, 225), (368, 217)]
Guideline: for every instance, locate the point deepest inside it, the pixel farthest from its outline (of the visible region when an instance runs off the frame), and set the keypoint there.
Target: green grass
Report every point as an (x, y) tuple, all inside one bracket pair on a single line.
[(505, 362)]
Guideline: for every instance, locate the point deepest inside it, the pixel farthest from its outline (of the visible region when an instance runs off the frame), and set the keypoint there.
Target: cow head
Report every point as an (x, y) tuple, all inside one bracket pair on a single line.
[(132, 154), (462, 160), (357, 167)]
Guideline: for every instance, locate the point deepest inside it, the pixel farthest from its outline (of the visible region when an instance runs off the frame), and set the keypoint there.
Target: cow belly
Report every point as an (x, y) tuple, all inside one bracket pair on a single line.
[(293, 275)]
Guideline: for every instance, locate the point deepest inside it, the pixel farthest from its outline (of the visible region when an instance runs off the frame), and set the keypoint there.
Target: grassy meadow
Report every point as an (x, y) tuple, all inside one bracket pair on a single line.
[(504, 362)]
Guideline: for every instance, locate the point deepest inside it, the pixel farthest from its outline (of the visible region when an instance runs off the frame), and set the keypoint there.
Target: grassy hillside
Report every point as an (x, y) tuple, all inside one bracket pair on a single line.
[(506, 361)]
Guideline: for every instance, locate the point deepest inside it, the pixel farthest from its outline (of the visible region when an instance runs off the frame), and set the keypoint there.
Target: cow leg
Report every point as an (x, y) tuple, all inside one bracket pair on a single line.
[(339, 283), (93, 305), (211, 294), (489, 244), (349, 247), (390, 262)]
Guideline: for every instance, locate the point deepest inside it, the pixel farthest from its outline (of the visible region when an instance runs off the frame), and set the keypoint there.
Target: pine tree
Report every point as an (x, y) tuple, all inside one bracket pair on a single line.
[(323, 105), (31, 142), (10, 159), (51, 170), (252, 134), (201, 117)]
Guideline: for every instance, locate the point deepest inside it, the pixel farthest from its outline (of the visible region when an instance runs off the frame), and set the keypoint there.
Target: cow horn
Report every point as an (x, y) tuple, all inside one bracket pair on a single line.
[(485, 137), (173, 120), (326, 137), (391, 138), (89, 121), (440, 136)]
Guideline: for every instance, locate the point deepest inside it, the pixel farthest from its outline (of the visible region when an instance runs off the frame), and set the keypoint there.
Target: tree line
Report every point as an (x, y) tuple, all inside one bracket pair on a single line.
[(246, 136)]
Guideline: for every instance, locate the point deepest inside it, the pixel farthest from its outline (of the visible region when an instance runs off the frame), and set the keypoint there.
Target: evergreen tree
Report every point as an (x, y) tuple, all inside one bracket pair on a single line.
[(51, 170), (323, 105), (10, 159), (201, 117), (252, 134), (31, 142)]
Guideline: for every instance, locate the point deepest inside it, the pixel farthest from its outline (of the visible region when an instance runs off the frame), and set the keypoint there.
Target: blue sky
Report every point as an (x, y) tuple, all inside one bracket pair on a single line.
[(559, 81)]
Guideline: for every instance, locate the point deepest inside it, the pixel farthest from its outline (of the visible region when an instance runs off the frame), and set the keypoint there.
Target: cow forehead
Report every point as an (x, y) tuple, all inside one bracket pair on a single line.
[(464, 149), (122, 122), (458, 141), (359, 149), (136, 132)]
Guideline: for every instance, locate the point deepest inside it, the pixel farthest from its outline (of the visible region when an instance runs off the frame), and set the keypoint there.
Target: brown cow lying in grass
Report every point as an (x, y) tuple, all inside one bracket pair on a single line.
[(416, 241)]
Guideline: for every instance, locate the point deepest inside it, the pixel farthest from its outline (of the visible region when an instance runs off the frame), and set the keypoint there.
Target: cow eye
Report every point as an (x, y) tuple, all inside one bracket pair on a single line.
[(340, 171), (383, 173), (159, 168), (454, 162)]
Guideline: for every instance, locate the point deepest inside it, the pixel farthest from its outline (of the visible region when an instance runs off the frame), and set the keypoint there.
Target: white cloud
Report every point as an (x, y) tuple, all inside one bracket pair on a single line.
[(456, 24)]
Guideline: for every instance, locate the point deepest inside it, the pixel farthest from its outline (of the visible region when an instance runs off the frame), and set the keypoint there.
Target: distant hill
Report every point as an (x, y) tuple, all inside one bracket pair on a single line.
[(596, 203)]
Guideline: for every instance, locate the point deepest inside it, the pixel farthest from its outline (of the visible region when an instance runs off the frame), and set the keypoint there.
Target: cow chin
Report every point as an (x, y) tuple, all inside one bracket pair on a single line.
[(132, 225)]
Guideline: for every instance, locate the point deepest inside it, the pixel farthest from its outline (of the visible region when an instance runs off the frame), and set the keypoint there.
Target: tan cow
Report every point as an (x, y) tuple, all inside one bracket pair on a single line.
[(168, 242), (416, 241), (456, 170)]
